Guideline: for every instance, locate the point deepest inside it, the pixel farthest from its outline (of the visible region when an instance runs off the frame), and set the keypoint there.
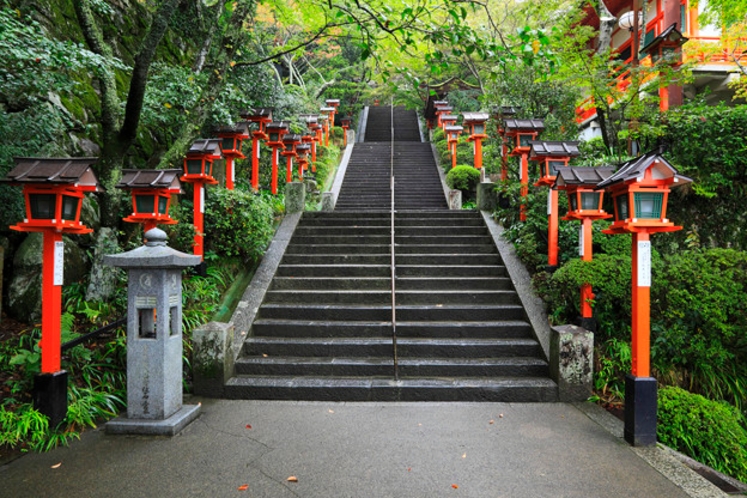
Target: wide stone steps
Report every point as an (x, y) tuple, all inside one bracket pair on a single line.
[(325, 328)]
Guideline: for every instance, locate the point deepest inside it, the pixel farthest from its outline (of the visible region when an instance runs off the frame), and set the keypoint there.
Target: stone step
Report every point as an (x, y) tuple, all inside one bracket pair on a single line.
[(337, 259), (454, 297), (383, 366), (508, 389), (326, 296), (382, 346), (331, 283), (322, 312), (464, 271), (446, 259), (339, 270), (459, 313), (294, 248), (433, 249)]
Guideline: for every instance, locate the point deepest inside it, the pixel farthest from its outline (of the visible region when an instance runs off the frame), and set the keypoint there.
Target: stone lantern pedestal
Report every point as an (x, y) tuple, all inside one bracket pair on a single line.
[(154, 338)]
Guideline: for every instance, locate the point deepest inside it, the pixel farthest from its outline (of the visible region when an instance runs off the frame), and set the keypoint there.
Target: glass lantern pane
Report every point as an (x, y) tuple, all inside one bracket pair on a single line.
[(163, 205), (144, 203), (42, 206), (209, 168), (228, 144), (648, 205), (589, 200), (479, 129), (573, 200), (273, 137), (194, 166), (69, 207), (524, 140), (554, 166), (621, 202)]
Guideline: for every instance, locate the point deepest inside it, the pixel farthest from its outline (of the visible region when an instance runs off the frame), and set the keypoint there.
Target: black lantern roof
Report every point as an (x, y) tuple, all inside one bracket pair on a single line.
[(582, 176), (505, 111), (634, 170), (440, 102), (277, 125), (309, 118), (241, 128), (261, 114), (670, 36), (554, 148), (445, 108), (519, 125), (150, 178), (327, 110), (302, 148), (332, 102), (290, 139), (475, 117), (449, 117), (453, 129), (203, 146), (75, 171)]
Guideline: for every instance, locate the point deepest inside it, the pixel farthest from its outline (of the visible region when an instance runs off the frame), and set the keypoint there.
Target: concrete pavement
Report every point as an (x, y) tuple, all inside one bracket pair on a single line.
[(363, 450)]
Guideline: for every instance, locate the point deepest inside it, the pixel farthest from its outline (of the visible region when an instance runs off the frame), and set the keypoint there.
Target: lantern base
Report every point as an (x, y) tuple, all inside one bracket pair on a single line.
[(551, 268), (50, 396), (640, 410), (170, 426), (200, 269), (589, 324)]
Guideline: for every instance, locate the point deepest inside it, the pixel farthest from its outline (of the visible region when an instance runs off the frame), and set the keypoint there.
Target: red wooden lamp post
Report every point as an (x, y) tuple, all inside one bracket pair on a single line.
[(275, 133), (519, 132), (309, 140), (262, 117), (452, 134), (585, 205), (442, 109), (640, 190), (302, 152), (500, 115), (53, 190), (315, 131), (345, 122), (151, 195), (328, 114), (231, 140), (476, 122), (667, 45), (290, 142), (552, 156), (334, 104), (198, 170)]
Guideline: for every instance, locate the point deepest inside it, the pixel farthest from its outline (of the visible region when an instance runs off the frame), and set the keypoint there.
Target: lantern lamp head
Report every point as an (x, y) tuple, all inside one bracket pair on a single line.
[(151, 194), (522, 131), (551, 156), (198, 164), (640, 191), (665, 44), (53, 190), (275, 132), (579, 183)]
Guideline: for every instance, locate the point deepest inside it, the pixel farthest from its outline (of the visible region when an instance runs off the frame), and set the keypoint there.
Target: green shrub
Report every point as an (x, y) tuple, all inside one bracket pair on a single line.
[(237, 223), (708, 431), (464, 178)]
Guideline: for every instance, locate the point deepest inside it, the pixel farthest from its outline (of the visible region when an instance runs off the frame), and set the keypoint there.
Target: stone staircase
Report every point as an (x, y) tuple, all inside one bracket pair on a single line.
[(325, 329)]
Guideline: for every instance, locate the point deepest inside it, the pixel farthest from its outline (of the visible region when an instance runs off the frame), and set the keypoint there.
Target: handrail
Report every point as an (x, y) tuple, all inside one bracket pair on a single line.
[(391, 242), (95, 333)]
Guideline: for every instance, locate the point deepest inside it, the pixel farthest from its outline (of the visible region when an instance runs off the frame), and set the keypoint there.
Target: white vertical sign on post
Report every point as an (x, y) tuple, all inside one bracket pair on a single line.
[(59, 262), (644, 263), (259, 146), (202, 198), (581, 240), (233, 173), (549, 202)]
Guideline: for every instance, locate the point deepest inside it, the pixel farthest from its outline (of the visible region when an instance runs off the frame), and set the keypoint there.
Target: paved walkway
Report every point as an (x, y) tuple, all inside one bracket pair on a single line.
[(362, 450)]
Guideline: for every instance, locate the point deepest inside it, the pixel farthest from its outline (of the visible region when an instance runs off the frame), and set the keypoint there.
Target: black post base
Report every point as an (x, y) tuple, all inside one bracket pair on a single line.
[(640, 410), (589, 324), (200, 269), (50, 396), (551, 268)]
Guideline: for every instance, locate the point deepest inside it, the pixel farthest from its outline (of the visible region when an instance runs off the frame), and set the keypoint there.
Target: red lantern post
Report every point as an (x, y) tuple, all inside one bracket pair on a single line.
[(552, 156), (585, 205), (442, 108), (640, 190), (275, 133), (290, 142), (500, 115), (346, 121), (333, 104), (519, 132), (476, 122), (308, 140), (327, 117), (452, 134), (302, 151), (53, 190), (151, 195), (231, 139), (262, 117), (198, 170)]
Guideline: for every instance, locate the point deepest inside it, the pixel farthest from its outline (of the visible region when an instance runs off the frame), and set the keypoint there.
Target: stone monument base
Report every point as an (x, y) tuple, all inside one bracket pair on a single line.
[(146, 427)]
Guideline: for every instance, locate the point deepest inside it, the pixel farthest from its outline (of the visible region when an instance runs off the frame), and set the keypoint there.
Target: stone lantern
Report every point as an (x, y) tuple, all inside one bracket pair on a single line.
[(585, 205), (640, 190), (198, 170), (275, 133), (154, 338), (551, 156), (151, 195), (261, 118), (231, 141), (452, 135), (53, 190), (518, 133), (477, 133)]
